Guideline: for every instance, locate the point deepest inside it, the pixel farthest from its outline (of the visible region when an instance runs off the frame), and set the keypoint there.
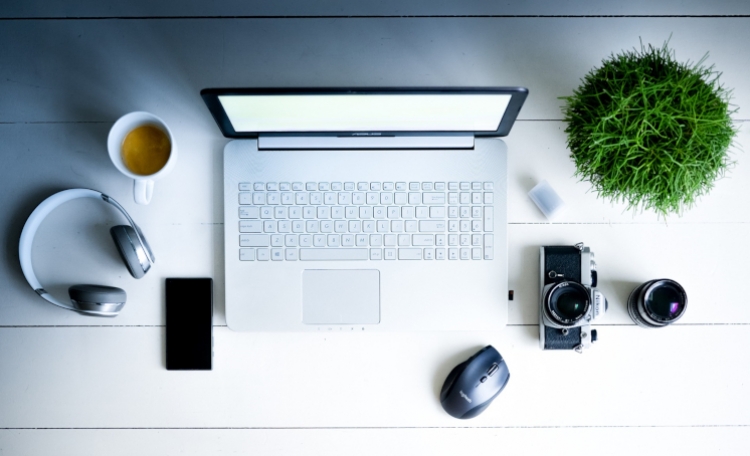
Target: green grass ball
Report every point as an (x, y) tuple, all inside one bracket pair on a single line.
[(650, 131)]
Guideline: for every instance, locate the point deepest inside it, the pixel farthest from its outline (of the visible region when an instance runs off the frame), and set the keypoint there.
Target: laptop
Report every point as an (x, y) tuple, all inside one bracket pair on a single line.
[(365, 209)]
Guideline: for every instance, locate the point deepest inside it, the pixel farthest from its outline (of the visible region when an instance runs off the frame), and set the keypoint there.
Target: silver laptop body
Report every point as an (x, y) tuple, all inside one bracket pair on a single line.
[(365, 231)]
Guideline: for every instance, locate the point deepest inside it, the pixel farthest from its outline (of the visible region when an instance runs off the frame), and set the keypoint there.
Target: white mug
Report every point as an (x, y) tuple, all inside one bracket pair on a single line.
[(143, 187)]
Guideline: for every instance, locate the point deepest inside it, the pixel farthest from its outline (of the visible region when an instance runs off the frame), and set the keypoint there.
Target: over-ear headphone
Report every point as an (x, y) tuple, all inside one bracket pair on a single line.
[(97, 300)]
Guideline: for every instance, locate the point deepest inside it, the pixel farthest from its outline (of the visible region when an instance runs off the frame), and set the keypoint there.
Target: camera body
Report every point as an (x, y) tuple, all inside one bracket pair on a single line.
[(569, 299)]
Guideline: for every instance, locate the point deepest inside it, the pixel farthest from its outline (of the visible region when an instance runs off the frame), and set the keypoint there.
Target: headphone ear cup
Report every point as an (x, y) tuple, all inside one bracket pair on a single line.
[(131, 250), (97, 298)]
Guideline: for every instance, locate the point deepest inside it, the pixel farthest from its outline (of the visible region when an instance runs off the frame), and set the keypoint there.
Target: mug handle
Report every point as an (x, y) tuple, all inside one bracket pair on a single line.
[(143, 189)]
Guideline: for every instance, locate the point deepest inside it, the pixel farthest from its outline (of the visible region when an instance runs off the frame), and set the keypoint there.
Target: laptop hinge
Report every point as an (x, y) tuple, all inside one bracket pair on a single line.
[(367, 141)]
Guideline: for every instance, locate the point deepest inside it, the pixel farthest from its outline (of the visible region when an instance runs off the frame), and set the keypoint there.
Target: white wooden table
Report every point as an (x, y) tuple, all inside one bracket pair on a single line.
[(74, 385)]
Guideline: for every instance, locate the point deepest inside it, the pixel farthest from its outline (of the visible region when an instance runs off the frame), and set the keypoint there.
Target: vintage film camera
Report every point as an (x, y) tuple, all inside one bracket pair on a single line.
[(569, 300)]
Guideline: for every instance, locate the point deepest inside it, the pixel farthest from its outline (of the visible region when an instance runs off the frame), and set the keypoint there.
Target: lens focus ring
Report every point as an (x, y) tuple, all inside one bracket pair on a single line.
[(567, 302)]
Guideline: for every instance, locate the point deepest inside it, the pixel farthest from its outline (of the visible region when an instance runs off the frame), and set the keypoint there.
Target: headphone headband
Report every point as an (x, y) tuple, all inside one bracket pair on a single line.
[(39, 214)]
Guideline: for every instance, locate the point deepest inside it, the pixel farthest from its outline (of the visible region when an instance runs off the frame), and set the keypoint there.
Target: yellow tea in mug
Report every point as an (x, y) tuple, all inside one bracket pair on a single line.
[(146, 150)]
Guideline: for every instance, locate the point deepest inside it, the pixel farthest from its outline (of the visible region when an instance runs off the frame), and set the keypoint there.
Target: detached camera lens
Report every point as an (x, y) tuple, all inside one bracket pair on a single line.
[(657, 303), (567, 302)]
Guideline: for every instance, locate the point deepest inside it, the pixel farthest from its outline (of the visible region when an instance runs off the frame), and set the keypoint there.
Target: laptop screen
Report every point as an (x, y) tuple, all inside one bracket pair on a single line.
[(353, 111), (425, 112)]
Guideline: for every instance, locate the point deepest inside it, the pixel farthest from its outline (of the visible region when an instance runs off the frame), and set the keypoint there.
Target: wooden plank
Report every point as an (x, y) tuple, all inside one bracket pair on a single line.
[(115, 377), (184, 224), (97, 70), (710, 267), (91, 8), (688, 441)]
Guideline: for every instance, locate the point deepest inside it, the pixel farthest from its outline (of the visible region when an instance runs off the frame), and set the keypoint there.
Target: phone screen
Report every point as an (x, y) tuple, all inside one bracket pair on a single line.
[(189, 324)]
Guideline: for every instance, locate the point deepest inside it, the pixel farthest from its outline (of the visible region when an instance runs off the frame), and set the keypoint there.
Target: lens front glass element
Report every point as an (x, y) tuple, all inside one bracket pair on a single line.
[(665, 302), (569, 302)]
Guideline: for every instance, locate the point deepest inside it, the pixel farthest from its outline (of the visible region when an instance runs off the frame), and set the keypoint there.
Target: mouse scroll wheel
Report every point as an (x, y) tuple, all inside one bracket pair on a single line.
[(491, 371)]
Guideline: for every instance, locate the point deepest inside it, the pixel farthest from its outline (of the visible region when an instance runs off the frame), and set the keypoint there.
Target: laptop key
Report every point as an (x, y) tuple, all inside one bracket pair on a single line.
[(432, 226), (409, 254), (437, 212), (488, 219), (488, 247), (332, 254), (255, 240), (247, 254), (249, 212), (246, 198), (433, 198), (422, 239), (251, 226)]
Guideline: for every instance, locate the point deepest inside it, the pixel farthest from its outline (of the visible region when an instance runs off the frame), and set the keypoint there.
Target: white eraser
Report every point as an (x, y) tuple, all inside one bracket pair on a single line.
[(547, 200)]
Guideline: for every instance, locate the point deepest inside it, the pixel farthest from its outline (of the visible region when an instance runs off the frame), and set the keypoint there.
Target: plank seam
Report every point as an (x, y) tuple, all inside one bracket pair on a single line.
[(54, 122), (513, 325), (388, 16), (665, 426)]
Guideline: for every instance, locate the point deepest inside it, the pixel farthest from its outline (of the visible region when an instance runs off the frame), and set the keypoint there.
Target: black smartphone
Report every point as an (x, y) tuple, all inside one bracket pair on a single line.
[(189, 324)]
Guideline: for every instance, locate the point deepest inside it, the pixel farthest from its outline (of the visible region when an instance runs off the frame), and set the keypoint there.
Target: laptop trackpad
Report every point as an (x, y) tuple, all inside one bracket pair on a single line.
[(335, 297)]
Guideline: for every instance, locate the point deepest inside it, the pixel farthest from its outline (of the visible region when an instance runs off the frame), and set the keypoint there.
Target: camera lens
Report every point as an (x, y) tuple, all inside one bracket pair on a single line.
[(567, 302), (657, 303)]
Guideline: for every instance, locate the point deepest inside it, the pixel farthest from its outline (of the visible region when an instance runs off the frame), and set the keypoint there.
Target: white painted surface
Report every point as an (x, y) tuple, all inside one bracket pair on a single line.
[(681, 390), (632, 377), (98, 70)]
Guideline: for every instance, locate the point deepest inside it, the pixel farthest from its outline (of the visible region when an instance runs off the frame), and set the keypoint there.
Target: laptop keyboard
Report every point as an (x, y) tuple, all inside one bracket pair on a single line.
[(319, 221)]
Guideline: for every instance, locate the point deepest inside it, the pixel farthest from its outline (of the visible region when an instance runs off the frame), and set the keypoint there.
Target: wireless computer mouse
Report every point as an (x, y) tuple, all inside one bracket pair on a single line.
[(474, 384)]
